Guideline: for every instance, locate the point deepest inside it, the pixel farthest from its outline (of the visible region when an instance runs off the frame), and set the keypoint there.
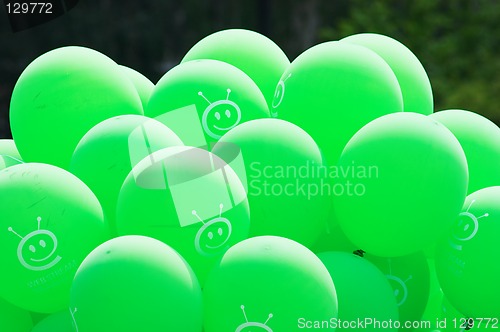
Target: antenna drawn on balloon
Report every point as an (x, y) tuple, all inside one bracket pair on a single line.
[(398, 285), (72, 313), (466, 228), (279, 93), (243, 327), (224, 116), (213, 235), (34, 251)]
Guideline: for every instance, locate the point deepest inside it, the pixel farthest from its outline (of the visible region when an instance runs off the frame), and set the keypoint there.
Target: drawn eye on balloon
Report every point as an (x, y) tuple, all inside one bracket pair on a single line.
[(253, 326), (37, 250), (465, 228), (220, 116), (213, 235), (279, 94)]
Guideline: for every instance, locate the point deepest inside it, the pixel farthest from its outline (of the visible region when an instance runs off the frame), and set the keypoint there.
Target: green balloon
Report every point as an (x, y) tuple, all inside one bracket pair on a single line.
[(480, 139), (411, 75), (333, 89), (49, 222), (60, 96), (244, 50), (14, 319), (433, 306), (409, 277), (61, 322), (280, 165), (106, 154), (467, 256), (268, 283), (202, 100), (135, 283), (363, 292), (8, 147), (141, 83), (393, 170), (188, 198)]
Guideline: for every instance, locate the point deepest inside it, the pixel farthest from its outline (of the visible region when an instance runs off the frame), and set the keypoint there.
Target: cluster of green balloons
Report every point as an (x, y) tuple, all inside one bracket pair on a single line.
[(244, 192)]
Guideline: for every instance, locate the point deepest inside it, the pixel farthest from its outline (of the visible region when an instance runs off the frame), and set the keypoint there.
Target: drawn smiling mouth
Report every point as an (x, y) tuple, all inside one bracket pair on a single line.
[(57, 259), (225, 128)]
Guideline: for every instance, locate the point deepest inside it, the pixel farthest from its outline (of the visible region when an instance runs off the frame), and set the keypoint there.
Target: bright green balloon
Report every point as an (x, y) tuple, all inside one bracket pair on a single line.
[(255, 54), (14, 319), (188, 198), (409, 277), (411, 75), (58, 322), (280, 165), (395, 169), (135, 283), (333, 89), (141, 83), (480, 139), (106, 154), (467, 262), (433, 306), (202, 100), (268, 283), (60, 96), (49, 222), (8, 147), (363, 291)]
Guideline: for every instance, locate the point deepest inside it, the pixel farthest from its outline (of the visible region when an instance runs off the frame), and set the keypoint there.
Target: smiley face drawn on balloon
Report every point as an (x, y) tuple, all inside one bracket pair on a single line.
[(213, 235), (220, 116), (279, 93), (400, 288), (37, 250), (465, 228), (253, 326)]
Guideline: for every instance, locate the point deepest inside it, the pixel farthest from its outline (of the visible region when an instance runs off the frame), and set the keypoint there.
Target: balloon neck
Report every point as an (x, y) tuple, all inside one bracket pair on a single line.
[(359, 252)]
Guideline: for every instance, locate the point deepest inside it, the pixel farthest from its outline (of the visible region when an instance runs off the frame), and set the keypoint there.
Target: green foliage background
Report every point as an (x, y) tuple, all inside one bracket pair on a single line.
[(457, 41)]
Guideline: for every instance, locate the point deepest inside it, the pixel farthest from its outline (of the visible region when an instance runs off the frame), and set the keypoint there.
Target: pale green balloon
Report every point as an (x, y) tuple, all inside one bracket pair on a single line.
[(400, 167), (14, 319), (107, 153), (141, 83), (244, 50), (59, 322), (332, 90), (188, 198), (409, 277), (467, 256), (268, 283), (49, 222), (135, 283), (201, 100), (60, 96), (363, 291), (8, 147), (411, 75), (480, 139), (281, 166)]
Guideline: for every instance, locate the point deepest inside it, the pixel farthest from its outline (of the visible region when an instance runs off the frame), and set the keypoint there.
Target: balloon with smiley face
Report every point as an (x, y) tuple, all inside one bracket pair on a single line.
[(49, 222), (201, 100), (188, 198), (467, 256), (266, 284)]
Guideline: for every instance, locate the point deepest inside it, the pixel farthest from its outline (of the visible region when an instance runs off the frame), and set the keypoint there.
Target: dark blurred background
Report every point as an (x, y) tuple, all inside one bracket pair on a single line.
[(457, 41)]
